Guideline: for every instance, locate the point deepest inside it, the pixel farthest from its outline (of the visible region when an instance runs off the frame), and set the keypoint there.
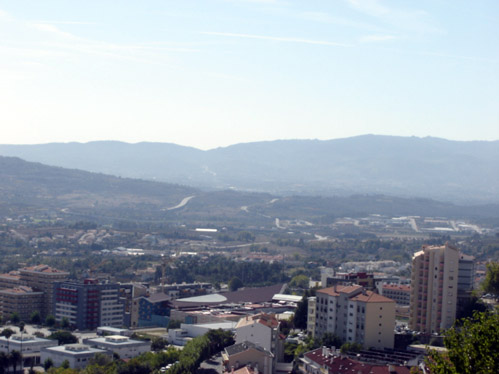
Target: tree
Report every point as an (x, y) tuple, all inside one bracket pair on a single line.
[(14, 359), (299, 281), (491, 281), (65, 364), (4, 362), (8, 332), (50, 321), (174, 324), (473, 348), (63, 337), (48, 363), (65, 323), (245, 236), (235, 283), (21, 326), (301, 312), (36, 319), (158, 344), (14, 318)]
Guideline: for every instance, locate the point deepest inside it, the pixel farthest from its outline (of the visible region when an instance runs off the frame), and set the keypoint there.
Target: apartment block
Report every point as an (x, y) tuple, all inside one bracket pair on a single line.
[(42, 278), (21, 300), (400, 293), (434, 288), (355, 315), (88, 305), (311, 315)]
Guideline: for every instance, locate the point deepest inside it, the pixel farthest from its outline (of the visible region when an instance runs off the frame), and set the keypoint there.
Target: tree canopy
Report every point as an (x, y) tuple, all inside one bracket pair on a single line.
[(491, 282), (473, 348)]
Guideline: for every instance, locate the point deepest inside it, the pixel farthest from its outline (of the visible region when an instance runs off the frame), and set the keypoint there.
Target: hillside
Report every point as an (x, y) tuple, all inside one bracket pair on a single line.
[(461, 172), (47, 192)]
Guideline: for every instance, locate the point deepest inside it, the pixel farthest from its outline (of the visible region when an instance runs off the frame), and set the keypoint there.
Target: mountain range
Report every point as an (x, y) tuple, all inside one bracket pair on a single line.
[(464, 172), (53, 193)]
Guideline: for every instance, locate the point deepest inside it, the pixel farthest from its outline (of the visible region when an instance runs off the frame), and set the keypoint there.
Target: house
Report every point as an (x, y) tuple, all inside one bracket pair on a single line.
[(123, 346), (262, 329), (29, 346), (77, 355), (248, 354)]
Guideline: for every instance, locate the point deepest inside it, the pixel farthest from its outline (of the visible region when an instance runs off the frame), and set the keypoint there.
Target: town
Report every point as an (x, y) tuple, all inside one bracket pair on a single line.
[(131, 306)]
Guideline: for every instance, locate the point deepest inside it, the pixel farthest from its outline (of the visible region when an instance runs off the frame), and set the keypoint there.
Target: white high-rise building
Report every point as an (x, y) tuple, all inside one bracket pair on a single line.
[(434, 288)]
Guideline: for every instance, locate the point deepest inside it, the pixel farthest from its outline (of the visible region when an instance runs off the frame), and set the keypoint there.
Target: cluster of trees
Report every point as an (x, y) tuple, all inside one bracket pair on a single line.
[(221, 269), (184, 361), (12, 359), (473, 347)]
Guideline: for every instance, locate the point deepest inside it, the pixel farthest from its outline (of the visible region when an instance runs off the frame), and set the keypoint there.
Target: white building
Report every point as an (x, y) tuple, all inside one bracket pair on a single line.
[(311, 315), (187, 332), (29, 346), (121, 345), (355, 316), (78, 355), (263, 330)]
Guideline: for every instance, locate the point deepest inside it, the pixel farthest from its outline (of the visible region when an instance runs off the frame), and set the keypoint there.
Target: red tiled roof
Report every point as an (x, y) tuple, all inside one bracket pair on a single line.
[(336, 290), (372, 297), (344, 365), (42, 269)]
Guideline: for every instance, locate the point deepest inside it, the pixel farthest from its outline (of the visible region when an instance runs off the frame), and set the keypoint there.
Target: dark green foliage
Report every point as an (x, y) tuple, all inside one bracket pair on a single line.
[(35, 318), (158, 344), (63, 337), (221, 269), (235, 284), (301, 312), (14, 318), (299, 281), (47, 364), (473, 348), (8, 332), (4, 362), (491, 282), (50, 321), (351, 347), (14, 359), (174, 324), (245, 236)]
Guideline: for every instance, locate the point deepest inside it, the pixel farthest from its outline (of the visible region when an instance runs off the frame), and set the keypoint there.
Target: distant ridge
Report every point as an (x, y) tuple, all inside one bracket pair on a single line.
[(457, 171), (43, 193)]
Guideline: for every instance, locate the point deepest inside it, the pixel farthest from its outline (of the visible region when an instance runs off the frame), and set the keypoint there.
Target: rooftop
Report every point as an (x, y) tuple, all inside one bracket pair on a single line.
[(372, 297), (344, 365), (262, 318), (75, 349), (336, 290), (21, 290), (241, 347), (43, 269), (397, 287)]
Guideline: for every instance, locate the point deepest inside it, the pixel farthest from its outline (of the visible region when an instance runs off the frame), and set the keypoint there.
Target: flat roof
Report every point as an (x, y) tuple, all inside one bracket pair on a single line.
[(75, 349), (117, 340), (212, 298)]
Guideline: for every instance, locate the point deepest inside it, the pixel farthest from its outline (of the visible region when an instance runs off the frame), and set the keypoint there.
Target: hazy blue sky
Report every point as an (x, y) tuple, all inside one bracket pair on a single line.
[(212, 73)]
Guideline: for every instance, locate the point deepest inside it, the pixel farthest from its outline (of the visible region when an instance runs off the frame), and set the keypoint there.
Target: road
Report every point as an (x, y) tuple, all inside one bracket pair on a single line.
[(184, 202), (212, 366)]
